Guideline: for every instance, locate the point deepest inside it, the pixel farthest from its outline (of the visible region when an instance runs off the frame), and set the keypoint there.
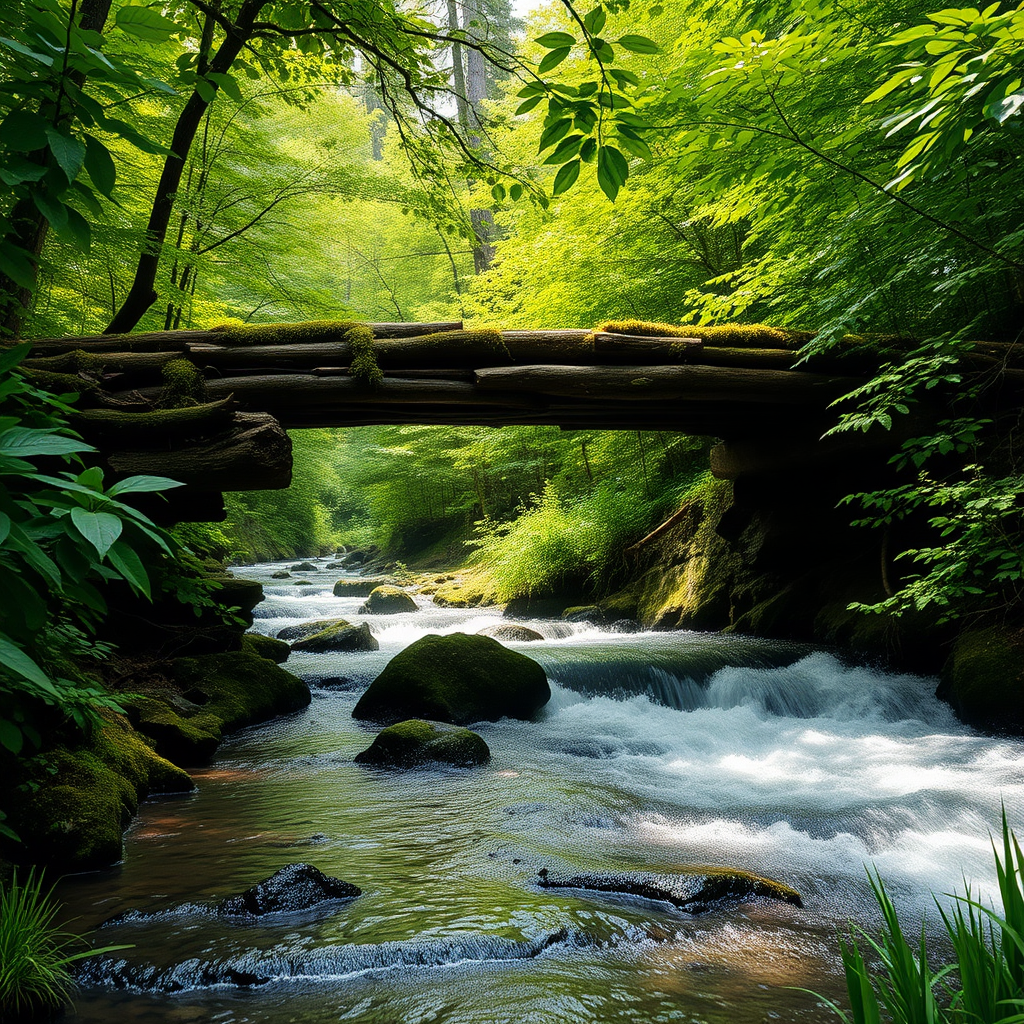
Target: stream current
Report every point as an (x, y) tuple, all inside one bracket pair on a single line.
[(657, 751)]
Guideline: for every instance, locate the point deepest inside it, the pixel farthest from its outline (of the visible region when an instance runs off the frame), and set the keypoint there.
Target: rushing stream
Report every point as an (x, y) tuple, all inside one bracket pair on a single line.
[(657, 750)]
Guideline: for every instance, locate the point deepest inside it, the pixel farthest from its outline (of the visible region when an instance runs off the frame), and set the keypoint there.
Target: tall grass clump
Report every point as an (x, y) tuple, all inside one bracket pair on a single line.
[(35, 956), (983, 985)]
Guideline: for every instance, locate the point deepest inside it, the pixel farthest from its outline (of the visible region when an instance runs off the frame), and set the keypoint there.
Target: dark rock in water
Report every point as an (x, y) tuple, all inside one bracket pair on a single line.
[(695, 892), (281, 574), (334, 683), (302, 583), (584, 613), (294, 888), (387, 600), (304, 567), (266, 647), (515, 634), (415, 742), (458, 679), (625, 626), (339, 636), (536, 607)]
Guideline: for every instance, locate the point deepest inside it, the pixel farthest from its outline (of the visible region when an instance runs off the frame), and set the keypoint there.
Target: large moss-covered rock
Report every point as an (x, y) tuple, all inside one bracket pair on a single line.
[(984, 678), (275, 650), (387, 601), (361, 588), (240, 688), (415, 742), (82, 798), (458, 679), (338, 636)]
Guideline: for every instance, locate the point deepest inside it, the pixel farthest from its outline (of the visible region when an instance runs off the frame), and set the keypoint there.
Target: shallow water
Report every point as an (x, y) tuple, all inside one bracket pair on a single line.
[(656, 751)]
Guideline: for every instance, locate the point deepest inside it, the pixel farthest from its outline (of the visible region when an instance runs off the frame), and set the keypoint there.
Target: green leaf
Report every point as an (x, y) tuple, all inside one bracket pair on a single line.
[(527, 105), (552, 60), (11, 737), (615, 164), (498, 192), (227, 83), (129, 565), (556, 40), (52, 209), (24, 442), (139, 484), (554, 132), (17, 661), (14, 262), (100, 165), (1005, 108), (79, 229), (41, 58), (595, 21), (515, 192), (68, 151), (18, 170), (205, 90), (5, 526), (145, 23), (638, 44), (23, 131), (100, 529), (10, 358), (565, 150), (566, 177)]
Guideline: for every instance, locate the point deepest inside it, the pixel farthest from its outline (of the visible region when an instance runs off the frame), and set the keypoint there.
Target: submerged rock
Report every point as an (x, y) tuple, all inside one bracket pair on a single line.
[(304, 567), (693, 891), (387, 600), (416, 742), (281, 574), (455, 678), (293, 888), (340, 635), (984, 679), (515, 634)]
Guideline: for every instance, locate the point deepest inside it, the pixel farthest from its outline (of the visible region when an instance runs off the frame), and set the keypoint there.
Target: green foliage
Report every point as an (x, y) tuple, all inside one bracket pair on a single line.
[(35, 955), (63, 535), (983, 985)]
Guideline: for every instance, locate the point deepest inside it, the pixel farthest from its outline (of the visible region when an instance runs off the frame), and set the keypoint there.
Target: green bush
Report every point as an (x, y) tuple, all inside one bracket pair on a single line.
[(35, 956)]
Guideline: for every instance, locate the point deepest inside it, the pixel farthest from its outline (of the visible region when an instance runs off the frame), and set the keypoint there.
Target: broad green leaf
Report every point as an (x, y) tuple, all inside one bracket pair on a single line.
[(12, 44), (5, 526), (17, 661), (23, 131), (227, 83), (515, 192), (24, 442), (638, 44), (527, 105), (138, 484), (552, 60), (554, 132), (68, 151), (52, 209), (556, 40), (18, 170), (11, 357), (205, 90), (595, 20), (498, 192), (1007, 107), (566, 176), (100, 529), (145, 23), (566, 149), (11, 737), (100, 165), (79, 229), (129, 565)]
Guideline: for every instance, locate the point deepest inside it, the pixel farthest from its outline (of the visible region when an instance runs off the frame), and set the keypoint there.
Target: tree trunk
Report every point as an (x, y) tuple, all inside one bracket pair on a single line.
[(142, 293)]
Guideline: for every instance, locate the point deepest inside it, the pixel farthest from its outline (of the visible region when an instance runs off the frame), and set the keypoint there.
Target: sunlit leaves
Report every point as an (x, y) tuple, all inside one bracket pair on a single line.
[(145, 23), (638, 44)]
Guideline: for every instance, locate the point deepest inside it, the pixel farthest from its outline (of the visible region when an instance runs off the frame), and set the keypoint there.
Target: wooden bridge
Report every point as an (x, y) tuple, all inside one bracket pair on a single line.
[(225, 430)]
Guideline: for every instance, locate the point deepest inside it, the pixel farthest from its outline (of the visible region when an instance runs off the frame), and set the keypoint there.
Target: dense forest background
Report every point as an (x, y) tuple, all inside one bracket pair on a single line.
[(838, 169)]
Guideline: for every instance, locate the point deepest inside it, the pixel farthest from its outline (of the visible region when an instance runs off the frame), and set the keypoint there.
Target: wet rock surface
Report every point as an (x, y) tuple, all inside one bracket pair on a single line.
[(416, 742), (510, 632), (387, 600), (293, 888), (694, 891)]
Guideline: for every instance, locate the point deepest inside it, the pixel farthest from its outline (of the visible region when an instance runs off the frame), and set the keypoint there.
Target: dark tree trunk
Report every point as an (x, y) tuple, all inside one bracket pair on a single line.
[(142, 293)]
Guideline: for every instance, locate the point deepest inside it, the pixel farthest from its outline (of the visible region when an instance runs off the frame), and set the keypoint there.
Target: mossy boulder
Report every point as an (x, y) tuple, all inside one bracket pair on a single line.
[(511, 632), (387, 601), (339, 636), (304, 567), (181, 731), (583, 613), (281, 574), (537, 607), (275, 650), (85, 797), (983, 679), (415, 742), (240, 688), (362, 588), (458, 679)]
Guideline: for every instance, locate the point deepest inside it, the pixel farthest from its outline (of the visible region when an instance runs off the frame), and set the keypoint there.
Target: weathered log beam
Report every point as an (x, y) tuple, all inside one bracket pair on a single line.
[(254, 454), (164, 341), (685, 383)]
